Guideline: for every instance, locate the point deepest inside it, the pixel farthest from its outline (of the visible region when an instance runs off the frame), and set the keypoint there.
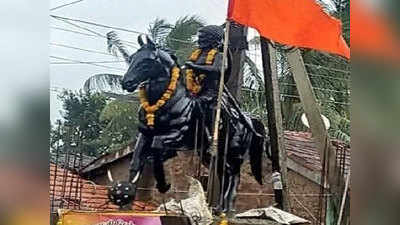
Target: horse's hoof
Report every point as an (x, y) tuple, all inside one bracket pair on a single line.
[(163, 188), (218, 210), (121, 193)]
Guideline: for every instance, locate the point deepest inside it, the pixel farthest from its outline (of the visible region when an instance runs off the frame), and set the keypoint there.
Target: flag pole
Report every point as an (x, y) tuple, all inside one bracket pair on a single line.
[(214, 146), (221, 88)]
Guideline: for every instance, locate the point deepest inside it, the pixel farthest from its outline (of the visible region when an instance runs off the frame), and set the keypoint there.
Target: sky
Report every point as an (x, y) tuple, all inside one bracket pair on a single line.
[(129, 14)]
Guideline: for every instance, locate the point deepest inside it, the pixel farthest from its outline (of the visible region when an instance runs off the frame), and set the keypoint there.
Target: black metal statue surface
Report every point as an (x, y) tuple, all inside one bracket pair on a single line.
[(174, 101)]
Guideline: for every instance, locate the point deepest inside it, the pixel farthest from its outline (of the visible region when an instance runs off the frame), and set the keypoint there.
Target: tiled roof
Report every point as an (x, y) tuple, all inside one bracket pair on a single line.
[(301, 148), (72, 192), (106, 159), (70, 161)]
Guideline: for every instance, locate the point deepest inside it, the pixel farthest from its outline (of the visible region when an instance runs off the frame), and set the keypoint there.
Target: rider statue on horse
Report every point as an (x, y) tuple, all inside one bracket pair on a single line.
[(173, 101)]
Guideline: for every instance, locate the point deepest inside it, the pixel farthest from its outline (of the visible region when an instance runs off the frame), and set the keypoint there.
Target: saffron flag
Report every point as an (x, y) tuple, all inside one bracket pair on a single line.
[(300, 23)]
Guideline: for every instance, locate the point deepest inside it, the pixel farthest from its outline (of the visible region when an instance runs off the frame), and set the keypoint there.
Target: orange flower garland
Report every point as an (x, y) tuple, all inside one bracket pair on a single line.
[(195, 55), (151, 109), (193, 83)]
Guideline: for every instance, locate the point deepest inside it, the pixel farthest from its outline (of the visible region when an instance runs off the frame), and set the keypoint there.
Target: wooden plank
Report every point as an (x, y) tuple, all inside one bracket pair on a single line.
[(275, 126), (320, 134), (237, 47), (311, 109)]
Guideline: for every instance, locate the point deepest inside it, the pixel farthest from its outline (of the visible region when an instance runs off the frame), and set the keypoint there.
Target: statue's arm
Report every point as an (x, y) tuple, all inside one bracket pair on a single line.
[(214, 68)]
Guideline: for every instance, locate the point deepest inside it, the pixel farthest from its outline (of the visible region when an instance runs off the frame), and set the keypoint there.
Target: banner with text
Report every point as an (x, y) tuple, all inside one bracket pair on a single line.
[(94, 218)]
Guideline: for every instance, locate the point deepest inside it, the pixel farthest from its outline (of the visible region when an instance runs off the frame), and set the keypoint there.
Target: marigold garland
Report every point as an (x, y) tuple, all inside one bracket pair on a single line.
[(193, 83), (195, 55), (151, 109)]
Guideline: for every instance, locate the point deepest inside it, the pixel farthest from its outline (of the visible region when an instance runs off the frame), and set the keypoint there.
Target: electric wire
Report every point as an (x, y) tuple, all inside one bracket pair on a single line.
[(297, 96), (87, 63), (98, 62), (129, 43), (327, 68), (64, 5), (113, 27), (316, 88), (72, 31), (82, 49)]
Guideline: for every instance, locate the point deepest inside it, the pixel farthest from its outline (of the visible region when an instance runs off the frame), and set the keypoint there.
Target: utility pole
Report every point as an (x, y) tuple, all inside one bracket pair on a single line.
[(275, 125), (237, 46)]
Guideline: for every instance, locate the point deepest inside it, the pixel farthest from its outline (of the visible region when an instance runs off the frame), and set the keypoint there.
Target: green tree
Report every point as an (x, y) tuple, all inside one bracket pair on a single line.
[(121, 119), (93, 124), (80, 125)]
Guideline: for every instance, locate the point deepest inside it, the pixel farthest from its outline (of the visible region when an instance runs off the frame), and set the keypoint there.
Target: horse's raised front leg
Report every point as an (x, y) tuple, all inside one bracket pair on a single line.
[(123, 193), (138, 160)]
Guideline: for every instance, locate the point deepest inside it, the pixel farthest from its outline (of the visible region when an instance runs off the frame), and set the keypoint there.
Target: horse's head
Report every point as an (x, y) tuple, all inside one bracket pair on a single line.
[(147, 63)]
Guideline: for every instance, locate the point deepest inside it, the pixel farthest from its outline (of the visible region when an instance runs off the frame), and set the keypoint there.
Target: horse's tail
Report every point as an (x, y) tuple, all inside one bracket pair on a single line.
[(257, 148)]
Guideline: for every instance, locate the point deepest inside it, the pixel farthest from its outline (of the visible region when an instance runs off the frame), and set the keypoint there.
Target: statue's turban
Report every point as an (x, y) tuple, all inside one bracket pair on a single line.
[(216, 32)]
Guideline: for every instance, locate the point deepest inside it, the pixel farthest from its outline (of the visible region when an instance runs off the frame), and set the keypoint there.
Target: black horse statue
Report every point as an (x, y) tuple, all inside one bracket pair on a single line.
[(171, 120)]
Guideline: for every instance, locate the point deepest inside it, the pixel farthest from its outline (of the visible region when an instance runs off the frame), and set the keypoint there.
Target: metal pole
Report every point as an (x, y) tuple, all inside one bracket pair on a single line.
[(343, 199), (55, 169)]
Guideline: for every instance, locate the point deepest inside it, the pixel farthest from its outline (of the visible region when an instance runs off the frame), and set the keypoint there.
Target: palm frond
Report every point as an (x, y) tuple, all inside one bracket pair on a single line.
[(104, 83), (252, 75), (181, 36), (329, 8), (116, 47), (253, 97), (159, 30), (255, 41), (340, 135), (185, 28)]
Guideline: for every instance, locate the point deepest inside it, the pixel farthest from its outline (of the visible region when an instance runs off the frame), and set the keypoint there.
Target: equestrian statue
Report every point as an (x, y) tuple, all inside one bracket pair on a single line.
[(177, 114)]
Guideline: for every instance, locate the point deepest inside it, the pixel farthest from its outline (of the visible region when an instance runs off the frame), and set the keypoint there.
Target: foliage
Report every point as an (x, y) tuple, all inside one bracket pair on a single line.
[(115, 46), (253, 97), (178, 37), (93, 124), (80, 126), (122, 120)]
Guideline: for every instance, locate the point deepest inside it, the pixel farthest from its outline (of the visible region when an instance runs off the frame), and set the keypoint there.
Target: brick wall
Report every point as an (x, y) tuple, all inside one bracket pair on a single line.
[(304, 199)]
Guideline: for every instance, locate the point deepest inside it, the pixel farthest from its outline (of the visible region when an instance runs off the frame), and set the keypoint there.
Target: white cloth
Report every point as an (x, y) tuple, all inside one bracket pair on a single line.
[(273, 213)]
